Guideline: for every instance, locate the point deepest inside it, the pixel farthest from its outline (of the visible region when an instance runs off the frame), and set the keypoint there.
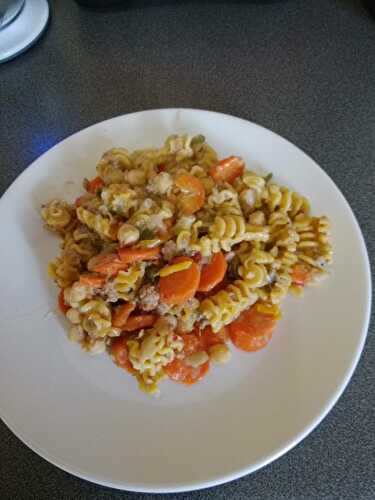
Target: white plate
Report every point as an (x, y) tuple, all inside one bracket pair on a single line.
[(24, 30), (86, 416)]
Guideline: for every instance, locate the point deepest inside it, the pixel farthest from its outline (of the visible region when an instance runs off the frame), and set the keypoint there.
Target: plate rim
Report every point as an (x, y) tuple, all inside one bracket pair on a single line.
[(134, 487)]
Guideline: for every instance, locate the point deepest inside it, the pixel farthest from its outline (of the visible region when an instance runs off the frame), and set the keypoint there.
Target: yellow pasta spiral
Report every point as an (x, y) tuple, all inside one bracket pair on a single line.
[(285, 201), (187, 314), (306, 232), (206, 156), (188, 240), (323, 236), (83, 242), (254, 182), (113, 165), (65, 269), (224, 201), (299, 204), (280, 287), (57, 215), (119, 157), (286, 238), (255, 274), (151, 352), (314, 247), (102, 225), (126, 283), (229, 230), (285, 260), (120, 199), (97, 319), (277, 220), (223, 307)]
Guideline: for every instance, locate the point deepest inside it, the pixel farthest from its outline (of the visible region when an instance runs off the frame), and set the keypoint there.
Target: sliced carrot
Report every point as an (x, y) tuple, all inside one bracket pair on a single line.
[(301, 274), (179, 371), (61, 302), (193, 193), (119, 352), (252, 330), (121, 314), (80, 200), (94, 185), (228, 169), (213, 272), (108, 264), (92, 279), (166, 232), (137, 322), (181, 286), (209, 338), (192, 343), (129, 255)]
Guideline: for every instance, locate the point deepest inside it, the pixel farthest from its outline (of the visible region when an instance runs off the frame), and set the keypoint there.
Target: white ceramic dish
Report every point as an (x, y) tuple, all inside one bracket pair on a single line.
[(24, 30), (86, 416)]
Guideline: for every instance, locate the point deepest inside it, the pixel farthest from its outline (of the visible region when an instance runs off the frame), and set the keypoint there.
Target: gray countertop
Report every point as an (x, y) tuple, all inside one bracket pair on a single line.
[(305, 69)]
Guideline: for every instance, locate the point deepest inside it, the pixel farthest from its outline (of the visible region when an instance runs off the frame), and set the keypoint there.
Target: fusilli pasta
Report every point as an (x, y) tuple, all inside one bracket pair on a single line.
[(170, 251)]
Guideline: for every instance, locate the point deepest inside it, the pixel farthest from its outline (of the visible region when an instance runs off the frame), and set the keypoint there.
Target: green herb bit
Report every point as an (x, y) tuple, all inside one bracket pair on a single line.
[(268, 177), (198, 139), (151, 273), (147, 234)]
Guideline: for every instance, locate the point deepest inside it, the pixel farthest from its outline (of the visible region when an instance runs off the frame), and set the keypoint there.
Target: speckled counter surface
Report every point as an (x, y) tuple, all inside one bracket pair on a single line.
[(305, 69)]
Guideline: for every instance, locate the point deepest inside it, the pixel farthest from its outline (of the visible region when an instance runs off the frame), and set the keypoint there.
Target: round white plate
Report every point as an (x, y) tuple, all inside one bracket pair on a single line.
[(24, 30), (87, 416)]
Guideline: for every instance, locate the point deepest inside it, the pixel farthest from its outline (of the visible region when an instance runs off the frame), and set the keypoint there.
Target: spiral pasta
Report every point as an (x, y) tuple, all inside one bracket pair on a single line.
[(57, 215), (229, 230), (102, 225), (280, 287), (222, 308), (120, 199), (126, 283), (224, 201), (65, 270), (97, 319), (150, 352), (169, 250), (287, 202), (187, 315), (82, 242), (254, 181)]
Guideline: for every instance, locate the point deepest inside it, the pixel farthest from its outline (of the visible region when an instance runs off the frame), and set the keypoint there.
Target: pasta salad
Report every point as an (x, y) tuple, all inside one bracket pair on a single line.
[(171, 254)]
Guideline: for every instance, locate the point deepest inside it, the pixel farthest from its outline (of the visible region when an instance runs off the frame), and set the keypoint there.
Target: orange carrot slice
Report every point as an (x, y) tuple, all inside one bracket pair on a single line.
[(61, 302), (121, 314), (181, 286), (252, 330), (137, 322), (192, 343), (92, 279), (301, 274), (108, 264), (179, 371), (228, 169), (129, 255), (95, 184), (213, 272), (80, 200), (209, 338), (119, 352), (193, 193)]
